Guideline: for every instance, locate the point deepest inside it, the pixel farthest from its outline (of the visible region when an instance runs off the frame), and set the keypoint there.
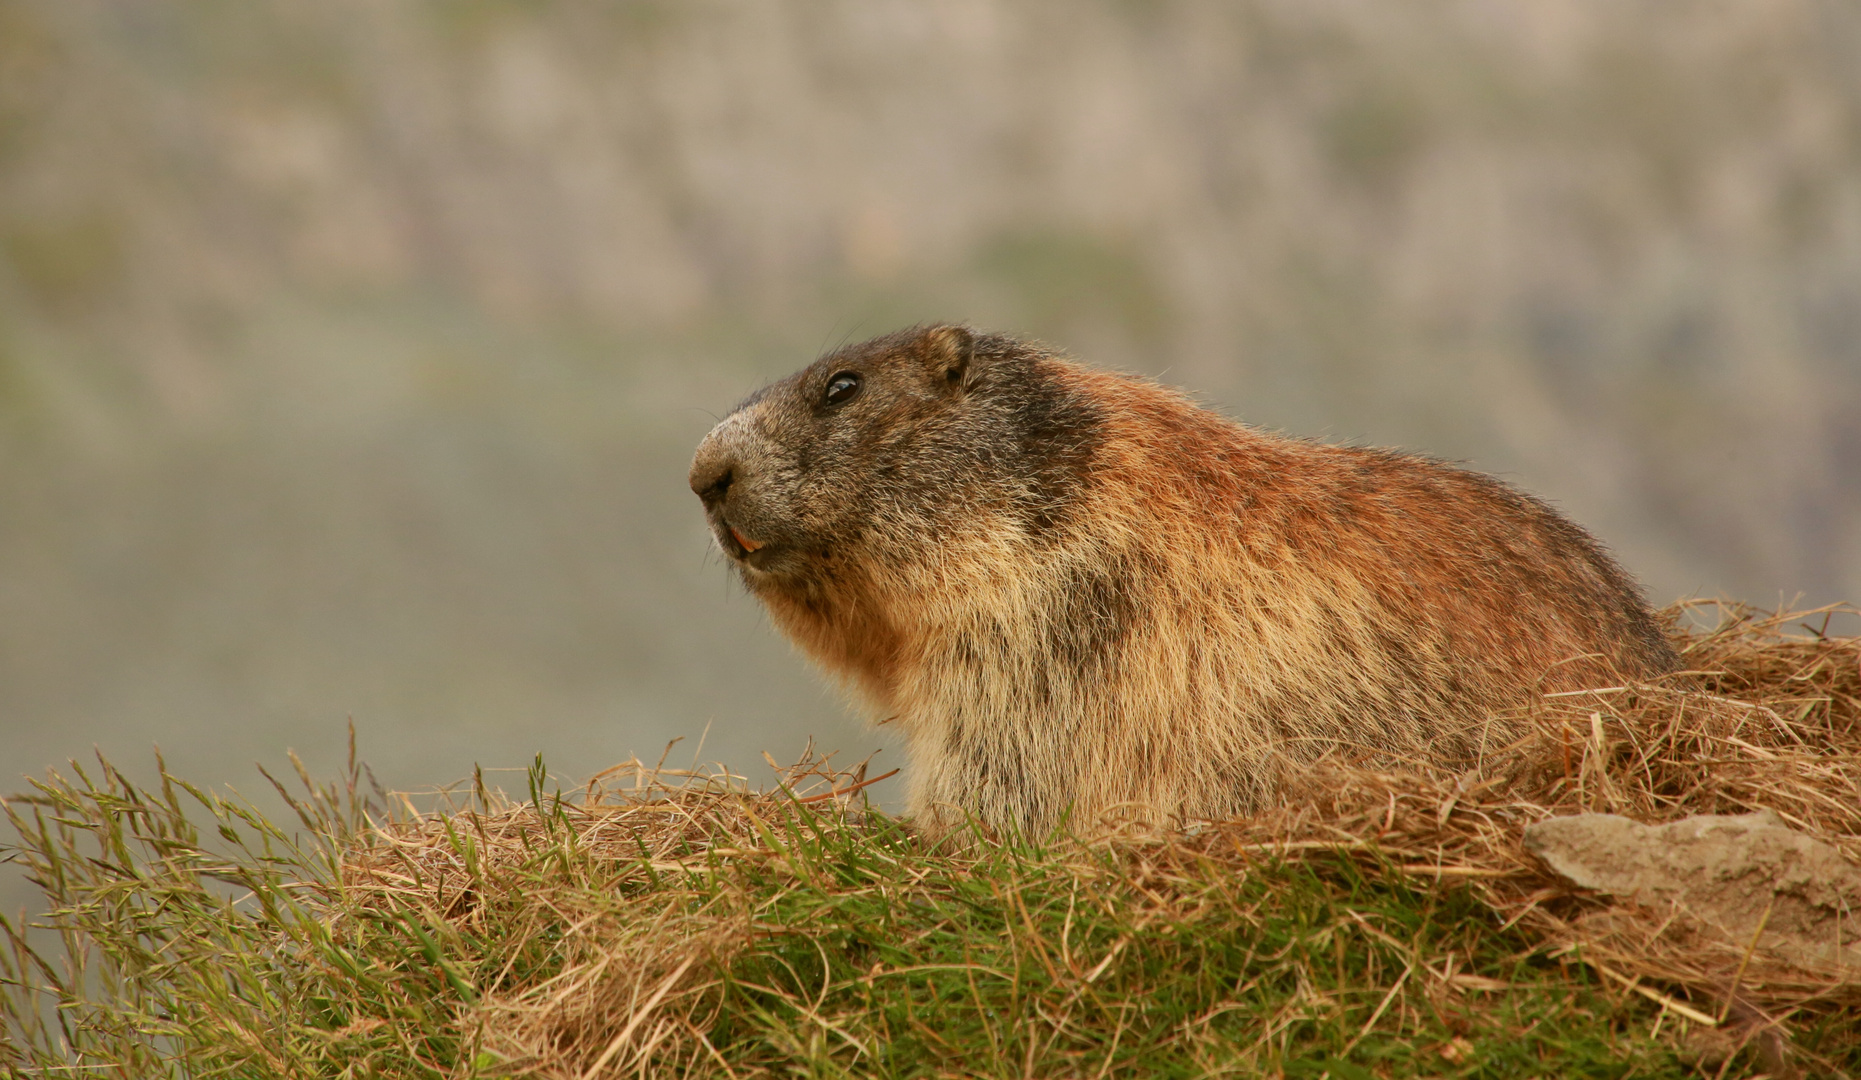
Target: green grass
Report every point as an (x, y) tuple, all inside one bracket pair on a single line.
[(1023, 968), (711, 932)]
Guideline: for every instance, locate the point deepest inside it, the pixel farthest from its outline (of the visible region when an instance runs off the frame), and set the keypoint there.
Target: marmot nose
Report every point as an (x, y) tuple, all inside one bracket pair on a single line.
[(711, 475)]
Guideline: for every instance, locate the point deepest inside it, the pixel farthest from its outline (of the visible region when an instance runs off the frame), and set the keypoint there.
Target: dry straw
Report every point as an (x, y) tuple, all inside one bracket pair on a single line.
[(1768, 716)]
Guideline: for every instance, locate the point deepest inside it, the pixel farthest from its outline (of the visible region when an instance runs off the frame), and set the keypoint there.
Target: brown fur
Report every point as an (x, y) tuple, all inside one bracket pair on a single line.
[(1078, 589)]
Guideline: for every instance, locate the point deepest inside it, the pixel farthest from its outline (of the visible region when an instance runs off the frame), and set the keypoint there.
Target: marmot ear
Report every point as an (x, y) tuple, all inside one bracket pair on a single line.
[(950, 349)]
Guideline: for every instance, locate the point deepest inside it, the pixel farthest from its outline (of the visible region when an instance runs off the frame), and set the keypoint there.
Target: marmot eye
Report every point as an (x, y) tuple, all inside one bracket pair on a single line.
[(842, 388)]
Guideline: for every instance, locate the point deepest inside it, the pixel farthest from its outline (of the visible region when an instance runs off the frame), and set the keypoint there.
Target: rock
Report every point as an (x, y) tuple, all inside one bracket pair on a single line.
[(1724, 872)]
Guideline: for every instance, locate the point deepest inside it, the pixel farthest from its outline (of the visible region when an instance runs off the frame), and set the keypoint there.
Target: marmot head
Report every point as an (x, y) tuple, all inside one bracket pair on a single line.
[(881, 450)]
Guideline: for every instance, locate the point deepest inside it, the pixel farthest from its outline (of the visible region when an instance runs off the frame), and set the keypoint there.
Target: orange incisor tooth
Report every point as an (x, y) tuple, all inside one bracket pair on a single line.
[(748, 544)]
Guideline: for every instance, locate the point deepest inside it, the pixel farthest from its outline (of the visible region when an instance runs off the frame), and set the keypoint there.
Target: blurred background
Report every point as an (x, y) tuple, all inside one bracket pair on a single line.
[(352, 354)]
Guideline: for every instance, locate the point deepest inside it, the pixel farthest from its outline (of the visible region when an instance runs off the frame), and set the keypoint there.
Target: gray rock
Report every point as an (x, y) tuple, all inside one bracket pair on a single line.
[(1724, 872)]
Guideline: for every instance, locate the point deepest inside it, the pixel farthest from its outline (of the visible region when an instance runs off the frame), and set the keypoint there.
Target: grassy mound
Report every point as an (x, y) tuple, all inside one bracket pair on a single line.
[(664, 923)]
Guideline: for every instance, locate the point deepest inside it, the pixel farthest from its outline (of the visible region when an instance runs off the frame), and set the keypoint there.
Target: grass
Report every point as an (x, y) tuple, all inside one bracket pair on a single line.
[(657, 922), (821, 941)]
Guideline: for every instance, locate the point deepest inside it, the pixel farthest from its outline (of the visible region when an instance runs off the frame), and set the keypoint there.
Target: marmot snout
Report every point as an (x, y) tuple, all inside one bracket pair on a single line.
[(1079, 589)]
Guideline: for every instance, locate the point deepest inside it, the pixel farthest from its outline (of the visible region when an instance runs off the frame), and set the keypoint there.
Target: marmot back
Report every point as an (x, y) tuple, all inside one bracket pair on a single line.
[(1074, 588)]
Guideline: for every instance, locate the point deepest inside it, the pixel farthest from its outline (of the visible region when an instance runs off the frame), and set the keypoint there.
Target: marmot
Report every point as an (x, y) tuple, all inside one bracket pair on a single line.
[(1076, 589)]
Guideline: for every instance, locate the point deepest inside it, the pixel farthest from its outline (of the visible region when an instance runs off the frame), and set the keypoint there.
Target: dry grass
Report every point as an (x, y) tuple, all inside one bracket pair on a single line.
[(1769, 718), (662, 922)]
